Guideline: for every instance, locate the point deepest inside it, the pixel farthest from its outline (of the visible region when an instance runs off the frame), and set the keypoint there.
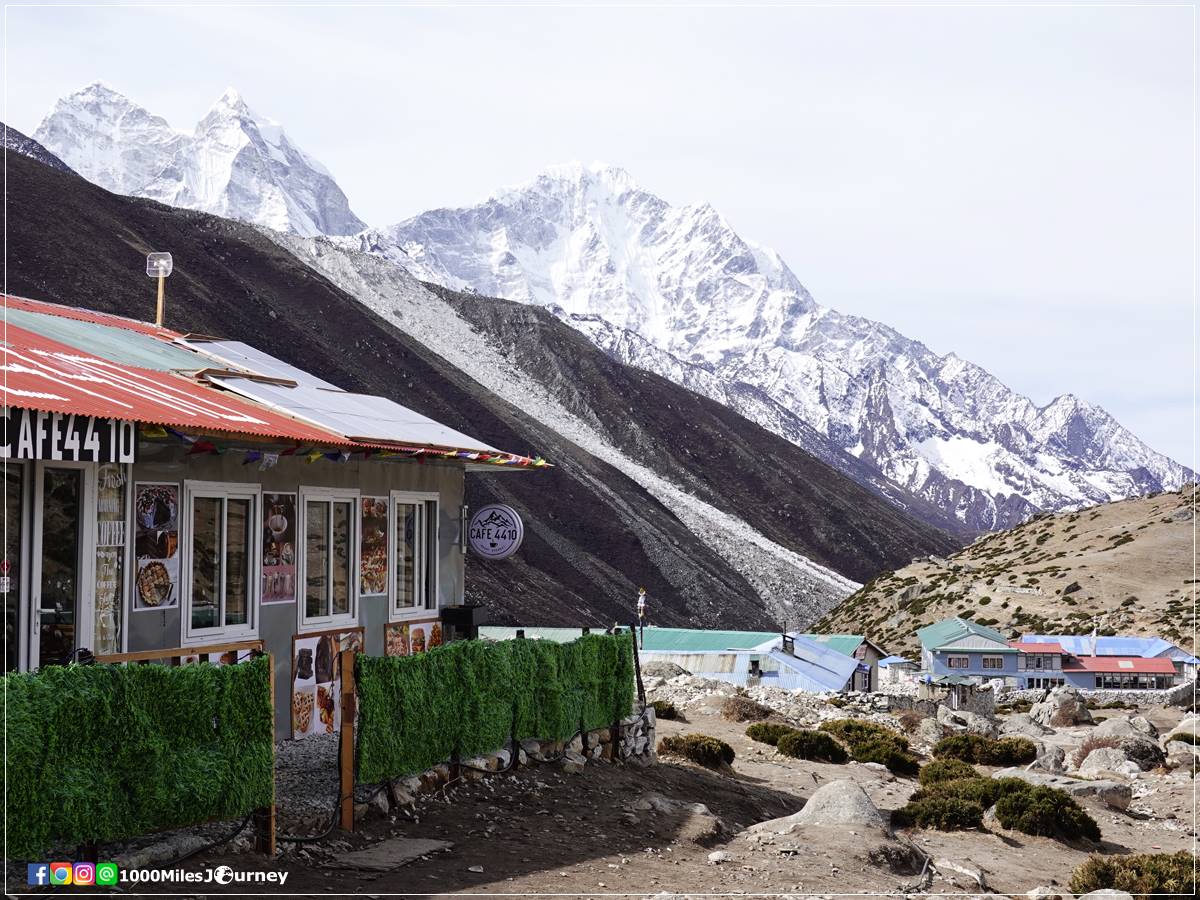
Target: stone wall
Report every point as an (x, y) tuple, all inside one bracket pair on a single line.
[(1180, 695), (981, 703), (631, 743)]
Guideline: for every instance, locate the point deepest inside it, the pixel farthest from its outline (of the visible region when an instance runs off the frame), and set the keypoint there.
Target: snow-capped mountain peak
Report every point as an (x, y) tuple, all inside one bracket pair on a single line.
[(236, 162), (716, 312)]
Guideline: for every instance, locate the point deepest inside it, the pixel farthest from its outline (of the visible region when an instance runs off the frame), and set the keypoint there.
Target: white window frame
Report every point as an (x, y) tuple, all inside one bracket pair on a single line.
[(225, 490), (330, 495), (425, 580)]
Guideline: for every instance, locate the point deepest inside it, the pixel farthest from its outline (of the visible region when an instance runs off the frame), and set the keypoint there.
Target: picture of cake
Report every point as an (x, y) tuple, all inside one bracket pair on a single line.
[(302, 708), (326, 707), (325, 660), (435, 635)]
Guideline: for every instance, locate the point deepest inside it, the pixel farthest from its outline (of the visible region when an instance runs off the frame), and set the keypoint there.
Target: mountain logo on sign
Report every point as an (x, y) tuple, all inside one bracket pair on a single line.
[(496, 531)]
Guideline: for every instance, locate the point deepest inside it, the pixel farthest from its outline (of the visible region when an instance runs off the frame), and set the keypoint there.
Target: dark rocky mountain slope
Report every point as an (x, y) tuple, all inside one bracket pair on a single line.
[(594, 534)]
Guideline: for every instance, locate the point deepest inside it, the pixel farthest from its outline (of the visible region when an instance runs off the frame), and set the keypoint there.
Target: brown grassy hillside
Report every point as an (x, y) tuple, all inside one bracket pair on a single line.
[(1122, 567)]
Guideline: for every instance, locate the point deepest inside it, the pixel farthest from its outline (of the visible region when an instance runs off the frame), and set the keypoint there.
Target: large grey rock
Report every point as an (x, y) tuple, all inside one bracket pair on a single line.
[(1116, 794), (1181, 755), (1189, 725), (928, 731), (1051, 759), (1126, 726), (1108, 760), (1144, 751), (1021, 725), (837, 804), (963, 721), (1062, 708), (661, 668)]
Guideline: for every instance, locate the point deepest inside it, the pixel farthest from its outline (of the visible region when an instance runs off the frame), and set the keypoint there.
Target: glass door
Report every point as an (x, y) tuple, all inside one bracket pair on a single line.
[(11, 576), (61, 570)]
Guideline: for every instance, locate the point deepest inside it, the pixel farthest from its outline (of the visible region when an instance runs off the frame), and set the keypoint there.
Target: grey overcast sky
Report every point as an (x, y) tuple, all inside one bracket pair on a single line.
[(1012, 184)]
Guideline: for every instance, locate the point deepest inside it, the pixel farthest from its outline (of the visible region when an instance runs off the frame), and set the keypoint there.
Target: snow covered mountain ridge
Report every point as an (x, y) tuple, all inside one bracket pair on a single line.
[(712, 308), (235, 163), (671, 289)]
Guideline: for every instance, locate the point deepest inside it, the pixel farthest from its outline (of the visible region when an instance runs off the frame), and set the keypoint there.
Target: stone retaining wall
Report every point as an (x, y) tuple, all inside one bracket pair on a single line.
[(1179, 695), (631, 743)]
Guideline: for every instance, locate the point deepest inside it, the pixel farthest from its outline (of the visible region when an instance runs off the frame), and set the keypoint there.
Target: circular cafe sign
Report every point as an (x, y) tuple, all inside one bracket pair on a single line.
[(496, 531)]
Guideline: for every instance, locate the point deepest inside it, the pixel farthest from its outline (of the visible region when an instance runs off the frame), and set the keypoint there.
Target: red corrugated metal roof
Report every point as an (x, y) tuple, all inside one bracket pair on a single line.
[(1026, 647), (43, 374), (88, 315), (1119, 664)]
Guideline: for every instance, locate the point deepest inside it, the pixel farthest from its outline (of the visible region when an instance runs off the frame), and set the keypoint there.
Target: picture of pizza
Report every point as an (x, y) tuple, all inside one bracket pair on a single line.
[(395, 640), (302, 708), (154, 584)]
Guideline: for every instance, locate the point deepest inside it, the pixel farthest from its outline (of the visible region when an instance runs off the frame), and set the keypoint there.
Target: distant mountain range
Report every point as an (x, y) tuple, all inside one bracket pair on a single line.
[(723, 522), (669, 289)]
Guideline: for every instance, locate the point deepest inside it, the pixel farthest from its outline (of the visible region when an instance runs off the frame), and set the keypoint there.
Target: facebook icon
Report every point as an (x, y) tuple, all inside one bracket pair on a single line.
[(38, 873)]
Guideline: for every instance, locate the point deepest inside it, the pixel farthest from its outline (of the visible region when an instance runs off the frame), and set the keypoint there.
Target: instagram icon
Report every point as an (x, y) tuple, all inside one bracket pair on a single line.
[(85, 873)]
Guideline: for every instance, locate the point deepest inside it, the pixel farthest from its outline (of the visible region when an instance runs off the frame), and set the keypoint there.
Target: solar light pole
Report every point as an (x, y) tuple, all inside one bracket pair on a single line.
[(641, 611), (159, 265)]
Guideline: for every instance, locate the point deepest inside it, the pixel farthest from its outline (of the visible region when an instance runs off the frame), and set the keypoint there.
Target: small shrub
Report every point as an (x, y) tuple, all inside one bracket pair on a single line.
[(948, 769), (1150, 873), (665, 709), (977, 789), (768, 732), (971, 748), (743, 709), (1184, 737), (839, 702), (1046, 811), (869, 742), (942, 813), (815, 745), (1093, 742), (1012, 751), (909, 719), (699, 748)]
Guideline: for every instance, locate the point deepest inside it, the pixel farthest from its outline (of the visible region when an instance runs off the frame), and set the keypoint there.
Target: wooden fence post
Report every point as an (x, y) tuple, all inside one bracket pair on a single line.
[(346, 745), (264, 819)]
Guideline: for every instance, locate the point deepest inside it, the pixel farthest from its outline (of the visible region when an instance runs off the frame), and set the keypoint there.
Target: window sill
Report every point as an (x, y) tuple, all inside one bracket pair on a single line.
[(330, 624), (414, 615), (219, 636)]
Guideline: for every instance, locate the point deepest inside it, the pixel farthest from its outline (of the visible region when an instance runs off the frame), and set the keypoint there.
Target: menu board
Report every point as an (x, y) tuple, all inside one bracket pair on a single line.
[(111, 491), (373, 561), (317, 680), (156, 545), (410, 638), (279, 548)]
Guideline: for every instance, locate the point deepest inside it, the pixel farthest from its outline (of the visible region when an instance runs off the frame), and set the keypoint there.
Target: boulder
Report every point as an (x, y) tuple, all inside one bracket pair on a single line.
[(661, 668), (1126, 727), (1181, 755), (1188, 726), (1051, 759), (1062, 707), (1116, 794), (1108, 760), (1144, 751), (837, 804), (1021, 725), (961, 720), (928, 731)]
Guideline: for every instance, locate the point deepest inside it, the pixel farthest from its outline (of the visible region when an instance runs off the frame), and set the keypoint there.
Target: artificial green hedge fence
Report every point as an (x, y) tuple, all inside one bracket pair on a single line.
[(467, 697), (103, 753)]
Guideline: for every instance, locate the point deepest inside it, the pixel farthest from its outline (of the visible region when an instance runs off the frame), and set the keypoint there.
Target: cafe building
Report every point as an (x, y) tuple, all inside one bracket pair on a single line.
[(168, 491)]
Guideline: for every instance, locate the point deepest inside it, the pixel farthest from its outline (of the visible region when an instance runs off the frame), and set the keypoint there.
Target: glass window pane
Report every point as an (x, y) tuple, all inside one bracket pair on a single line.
[(60, 563), (316, 558), (407, 531), (343, 514), (431, 553), (237, 562), (206, 561), (10, 581)]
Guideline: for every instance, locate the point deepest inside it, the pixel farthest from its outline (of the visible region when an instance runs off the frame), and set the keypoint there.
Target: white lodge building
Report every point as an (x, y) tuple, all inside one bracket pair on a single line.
[(167, 491)]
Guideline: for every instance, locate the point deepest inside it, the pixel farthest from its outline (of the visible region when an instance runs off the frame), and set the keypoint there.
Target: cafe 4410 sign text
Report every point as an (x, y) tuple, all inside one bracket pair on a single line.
[(496, 531), (32, 434)]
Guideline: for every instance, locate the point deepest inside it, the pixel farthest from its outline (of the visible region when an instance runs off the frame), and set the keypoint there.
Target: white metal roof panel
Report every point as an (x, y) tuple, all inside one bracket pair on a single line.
[(243, 356), (358, 416)]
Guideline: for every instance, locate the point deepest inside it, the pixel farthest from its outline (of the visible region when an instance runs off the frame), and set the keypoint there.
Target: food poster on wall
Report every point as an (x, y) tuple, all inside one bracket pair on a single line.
[(373, 561), (111, 491), (317, 680), (279, 548), (407, 639), (156, 545)]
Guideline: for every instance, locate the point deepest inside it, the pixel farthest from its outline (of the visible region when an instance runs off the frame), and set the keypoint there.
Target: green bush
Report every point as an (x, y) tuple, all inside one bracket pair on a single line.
[(974, 748), (467, 697), (1046, 811), (976, 788), (1150, 873), (1185, 737), (699, 748), (948, 769), (743, 709), (665, 709), (942, 813), (815, 745), (103, 753), (768, 732), (869, 742)]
